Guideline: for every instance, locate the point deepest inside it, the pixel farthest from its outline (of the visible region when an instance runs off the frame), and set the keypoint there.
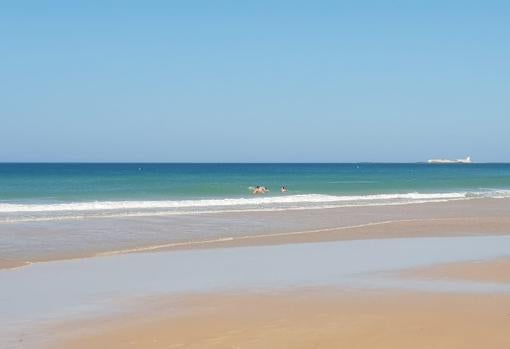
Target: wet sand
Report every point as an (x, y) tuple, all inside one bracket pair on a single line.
[(306, 319), (46, 241), (407, 228), (104, 287), (315, 317), (8, 264), (497, 270)]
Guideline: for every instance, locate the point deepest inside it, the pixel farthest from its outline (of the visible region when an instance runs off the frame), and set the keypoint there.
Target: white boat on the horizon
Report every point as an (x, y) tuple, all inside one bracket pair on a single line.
[(467, 160)]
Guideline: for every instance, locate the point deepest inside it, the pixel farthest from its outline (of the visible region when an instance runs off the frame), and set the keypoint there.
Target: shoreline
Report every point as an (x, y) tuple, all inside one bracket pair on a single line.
[(412, 228), (447, 219), (455, 227)]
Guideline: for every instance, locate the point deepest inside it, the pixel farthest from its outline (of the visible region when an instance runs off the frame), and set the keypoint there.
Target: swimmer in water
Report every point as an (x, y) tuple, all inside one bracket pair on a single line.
[(260, 190), (283, 189)]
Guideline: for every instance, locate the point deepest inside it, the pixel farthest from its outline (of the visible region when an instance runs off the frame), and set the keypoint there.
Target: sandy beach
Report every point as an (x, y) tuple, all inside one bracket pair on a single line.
[(424, 275), (310, 319), (316, 318)]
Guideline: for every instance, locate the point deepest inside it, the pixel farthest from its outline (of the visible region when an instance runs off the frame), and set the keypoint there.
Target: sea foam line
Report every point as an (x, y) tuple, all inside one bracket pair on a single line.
[(203, 212), (229, 202)]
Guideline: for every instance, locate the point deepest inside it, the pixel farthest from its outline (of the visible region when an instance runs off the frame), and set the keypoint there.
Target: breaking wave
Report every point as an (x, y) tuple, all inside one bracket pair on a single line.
[(276, 202)]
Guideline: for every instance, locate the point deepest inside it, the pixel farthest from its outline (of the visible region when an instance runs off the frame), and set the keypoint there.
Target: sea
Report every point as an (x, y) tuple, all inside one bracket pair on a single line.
[(70, 210), (53, 191)]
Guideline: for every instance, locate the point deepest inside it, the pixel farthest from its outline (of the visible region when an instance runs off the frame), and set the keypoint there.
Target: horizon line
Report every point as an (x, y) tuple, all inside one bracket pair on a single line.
[(241, 162)]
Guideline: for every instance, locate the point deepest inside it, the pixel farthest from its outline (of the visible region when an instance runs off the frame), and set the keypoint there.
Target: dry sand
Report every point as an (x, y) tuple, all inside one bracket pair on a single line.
[(308, 319)]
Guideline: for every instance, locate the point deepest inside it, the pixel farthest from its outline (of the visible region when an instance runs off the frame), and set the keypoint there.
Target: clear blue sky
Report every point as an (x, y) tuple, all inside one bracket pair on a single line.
[(254, 81)]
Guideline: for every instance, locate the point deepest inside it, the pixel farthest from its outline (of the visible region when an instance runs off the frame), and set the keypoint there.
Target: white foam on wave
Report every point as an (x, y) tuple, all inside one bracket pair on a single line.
[(270, 201)]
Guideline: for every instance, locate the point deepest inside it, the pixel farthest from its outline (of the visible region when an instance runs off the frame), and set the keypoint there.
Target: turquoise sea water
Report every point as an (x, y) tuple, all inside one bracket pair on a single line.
[(92, 182), (43, 189)]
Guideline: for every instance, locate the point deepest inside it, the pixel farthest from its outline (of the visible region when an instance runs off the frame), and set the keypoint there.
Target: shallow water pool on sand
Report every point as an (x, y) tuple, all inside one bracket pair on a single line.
[(52, 291)]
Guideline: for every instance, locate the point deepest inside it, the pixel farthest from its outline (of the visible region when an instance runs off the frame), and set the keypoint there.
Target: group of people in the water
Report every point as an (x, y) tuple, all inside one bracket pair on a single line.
[(262, 189)]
